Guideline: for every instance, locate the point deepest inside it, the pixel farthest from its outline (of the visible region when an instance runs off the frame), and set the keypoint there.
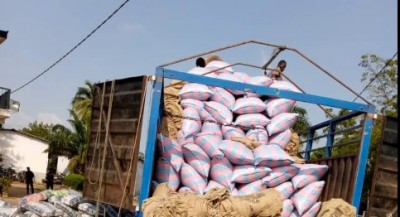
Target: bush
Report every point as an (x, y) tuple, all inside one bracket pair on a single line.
[(75, 181), (6, 183)]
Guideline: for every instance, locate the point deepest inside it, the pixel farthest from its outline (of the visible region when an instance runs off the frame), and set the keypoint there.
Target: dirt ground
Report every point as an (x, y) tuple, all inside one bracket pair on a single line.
[(18, 190)]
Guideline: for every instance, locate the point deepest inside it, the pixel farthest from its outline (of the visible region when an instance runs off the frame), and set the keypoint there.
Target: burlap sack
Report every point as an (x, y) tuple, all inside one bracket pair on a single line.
[(292, 149), (298, 160), (267, 203), (250, 143), (220, 203), (336, 207), (162, 190), (168, 128), (173, 109)]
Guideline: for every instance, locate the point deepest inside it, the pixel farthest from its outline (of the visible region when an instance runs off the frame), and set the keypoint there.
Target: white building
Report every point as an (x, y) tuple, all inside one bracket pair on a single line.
[(22, 150)]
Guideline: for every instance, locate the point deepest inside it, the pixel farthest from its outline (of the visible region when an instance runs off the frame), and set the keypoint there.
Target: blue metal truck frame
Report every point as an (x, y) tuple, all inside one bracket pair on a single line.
[(156, 112)]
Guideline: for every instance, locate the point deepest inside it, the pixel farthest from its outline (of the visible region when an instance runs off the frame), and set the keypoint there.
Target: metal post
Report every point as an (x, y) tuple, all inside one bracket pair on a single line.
[(330, 139), (151, 141), (309, 144), (362, 161)]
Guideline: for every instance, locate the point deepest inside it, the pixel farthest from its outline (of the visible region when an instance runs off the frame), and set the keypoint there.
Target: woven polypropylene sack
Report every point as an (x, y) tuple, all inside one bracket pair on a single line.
[(286, 189), (250, 188), (185, 189), (210, 144), (248, 121), (243, 76), (37, 197), (305, 198), (287, 208), (192, 179), (221, 172), (68, 211), (223, 96), (8, 211), (274, 107), (87, 208), (218, 64), (271, 156), (211, 128), (171, 151), (42, 209), (281, 123), (219, 112), (259, 81), (212, 184), (194, 103), (249, 173), (236, 152), (284, 85), (281, 139), (198, 71), (248, 105), (195, 91), (197, 158), (182, 140), (4, 204), (261, 135), (279, 175), (72, 200), (232, 77), (307, 174), (228, 132), (191, 123), (165, 172), (235, 192), (313, 211), (205, 115)]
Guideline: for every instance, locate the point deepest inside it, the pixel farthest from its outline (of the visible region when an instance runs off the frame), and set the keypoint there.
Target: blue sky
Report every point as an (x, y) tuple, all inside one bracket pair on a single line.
[(145, 34)]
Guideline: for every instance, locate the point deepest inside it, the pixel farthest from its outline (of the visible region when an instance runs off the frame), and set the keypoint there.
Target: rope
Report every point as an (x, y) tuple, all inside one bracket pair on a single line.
[(96, 142), (136, 138), (105, 145)]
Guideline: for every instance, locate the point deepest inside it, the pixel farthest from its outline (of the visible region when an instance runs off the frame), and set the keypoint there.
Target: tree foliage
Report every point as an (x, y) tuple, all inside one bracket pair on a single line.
[(383, 88), (38, 129)]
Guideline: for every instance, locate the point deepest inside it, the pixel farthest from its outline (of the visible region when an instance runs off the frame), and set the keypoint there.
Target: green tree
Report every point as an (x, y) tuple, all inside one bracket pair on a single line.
[(383, 75), (303, 122), (82, 101), (40, 130)]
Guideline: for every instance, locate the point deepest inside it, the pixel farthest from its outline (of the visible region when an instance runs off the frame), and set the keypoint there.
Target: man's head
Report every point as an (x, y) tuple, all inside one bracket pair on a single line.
[(200, 62), (28, 168), (282, 65)]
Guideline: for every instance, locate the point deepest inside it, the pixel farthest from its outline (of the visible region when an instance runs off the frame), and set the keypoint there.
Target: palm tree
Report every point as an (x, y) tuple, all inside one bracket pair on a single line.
[(302, 123), (82, 101)]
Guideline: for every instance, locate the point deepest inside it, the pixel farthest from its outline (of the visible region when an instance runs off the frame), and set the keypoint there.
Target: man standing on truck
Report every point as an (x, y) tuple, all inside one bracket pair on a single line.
[(276, 74), (29, 176)]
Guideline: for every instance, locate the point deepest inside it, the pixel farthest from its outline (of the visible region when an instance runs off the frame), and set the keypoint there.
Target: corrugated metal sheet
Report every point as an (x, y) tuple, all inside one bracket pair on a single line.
[(120, 120)]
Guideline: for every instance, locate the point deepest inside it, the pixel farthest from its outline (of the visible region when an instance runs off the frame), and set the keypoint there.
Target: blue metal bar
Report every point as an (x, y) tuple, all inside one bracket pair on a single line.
[(151, 141), (330, 139), (337, 119), (310, 141), (309, 98), (362, 161)]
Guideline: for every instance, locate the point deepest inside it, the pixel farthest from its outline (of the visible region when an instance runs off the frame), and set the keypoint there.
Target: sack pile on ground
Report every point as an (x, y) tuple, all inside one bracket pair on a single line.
[(236, 141), (65, 203)]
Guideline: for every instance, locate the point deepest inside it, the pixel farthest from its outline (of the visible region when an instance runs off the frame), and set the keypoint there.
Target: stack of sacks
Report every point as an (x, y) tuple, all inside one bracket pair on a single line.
[(55, 203), (234, 140)]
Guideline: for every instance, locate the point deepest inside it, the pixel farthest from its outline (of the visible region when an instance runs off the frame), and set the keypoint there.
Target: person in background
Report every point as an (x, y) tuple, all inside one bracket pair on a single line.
[(50, 180), (29, 177), (200, 62), (276, 74)]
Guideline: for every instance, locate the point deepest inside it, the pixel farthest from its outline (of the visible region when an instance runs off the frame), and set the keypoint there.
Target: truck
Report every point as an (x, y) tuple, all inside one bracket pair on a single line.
[(127, 113)]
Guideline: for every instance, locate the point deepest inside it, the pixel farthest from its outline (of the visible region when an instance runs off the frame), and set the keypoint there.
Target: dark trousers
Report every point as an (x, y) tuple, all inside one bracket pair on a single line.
[(49, 185), (29, 183)]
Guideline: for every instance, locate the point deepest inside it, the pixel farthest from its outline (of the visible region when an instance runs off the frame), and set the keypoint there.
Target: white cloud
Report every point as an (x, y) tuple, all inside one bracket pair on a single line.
[(21, 119)]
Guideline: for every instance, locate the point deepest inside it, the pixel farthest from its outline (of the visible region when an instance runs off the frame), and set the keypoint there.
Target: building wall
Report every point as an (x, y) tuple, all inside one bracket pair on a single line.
[(21, 151)]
